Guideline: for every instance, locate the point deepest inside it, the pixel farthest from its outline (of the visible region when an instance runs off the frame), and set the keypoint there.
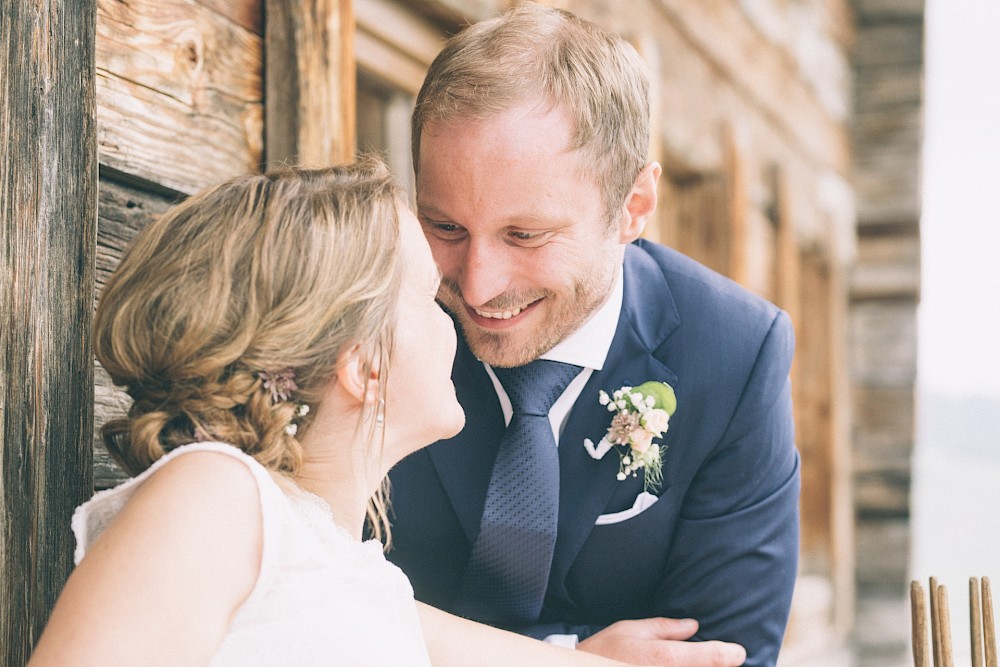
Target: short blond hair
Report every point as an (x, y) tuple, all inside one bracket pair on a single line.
[(266, 272), (533, 52)]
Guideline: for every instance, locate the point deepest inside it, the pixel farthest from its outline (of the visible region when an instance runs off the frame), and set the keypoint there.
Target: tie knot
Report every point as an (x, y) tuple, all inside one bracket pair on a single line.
[(534, 387)]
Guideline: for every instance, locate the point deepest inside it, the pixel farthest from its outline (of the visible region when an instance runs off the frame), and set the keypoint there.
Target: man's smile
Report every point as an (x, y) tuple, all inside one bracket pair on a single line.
[(500, 319)]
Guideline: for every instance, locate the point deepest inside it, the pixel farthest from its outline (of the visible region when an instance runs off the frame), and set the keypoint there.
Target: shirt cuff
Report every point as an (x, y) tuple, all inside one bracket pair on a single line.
[(566, 641)]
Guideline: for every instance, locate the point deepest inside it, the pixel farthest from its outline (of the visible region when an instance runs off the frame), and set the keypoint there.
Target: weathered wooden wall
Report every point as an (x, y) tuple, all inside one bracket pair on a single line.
[(885, 289), (179, 91), (48, 196), (123, 211), (167, 96), (181, 104), (310, 82)]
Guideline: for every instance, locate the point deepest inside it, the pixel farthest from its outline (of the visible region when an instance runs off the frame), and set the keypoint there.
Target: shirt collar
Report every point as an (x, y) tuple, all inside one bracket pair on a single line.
[(589, 345)]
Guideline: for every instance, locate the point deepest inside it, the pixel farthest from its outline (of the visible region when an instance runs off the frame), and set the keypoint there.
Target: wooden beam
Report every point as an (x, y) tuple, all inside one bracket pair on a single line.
[(180, 90), (310, 82), (48, 202), (739, 207)]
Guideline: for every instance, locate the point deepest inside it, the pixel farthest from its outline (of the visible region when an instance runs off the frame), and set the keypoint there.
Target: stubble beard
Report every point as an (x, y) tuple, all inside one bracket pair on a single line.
[(507, 349)]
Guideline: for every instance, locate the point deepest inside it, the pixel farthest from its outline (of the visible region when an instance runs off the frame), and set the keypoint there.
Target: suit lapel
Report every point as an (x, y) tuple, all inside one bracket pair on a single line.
[(586, 484)]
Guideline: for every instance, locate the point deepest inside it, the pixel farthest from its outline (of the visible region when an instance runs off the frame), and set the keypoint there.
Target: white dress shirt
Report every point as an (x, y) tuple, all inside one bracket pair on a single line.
[(587, 347)]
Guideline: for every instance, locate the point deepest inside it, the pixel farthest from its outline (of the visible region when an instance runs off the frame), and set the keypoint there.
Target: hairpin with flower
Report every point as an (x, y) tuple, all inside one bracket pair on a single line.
[(642, 414), (281, 385)]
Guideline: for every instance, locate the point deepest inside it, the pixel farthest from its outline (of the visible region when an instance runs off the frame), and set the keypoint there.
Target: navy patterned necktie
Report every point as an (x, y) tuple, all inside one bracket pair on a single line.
[(508, 569)]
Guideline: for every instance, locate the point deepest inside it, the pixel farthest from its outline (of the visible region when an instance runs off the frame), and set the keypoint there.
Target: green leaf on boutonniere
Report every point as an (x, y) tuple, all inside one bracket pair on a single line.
[(642, 415)]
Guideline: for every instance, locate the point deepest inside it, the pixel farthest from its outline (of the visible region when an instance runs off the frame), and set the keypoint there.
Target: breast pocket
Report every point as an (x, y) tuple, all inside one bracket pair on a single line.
[(643, 502), (623, 560)]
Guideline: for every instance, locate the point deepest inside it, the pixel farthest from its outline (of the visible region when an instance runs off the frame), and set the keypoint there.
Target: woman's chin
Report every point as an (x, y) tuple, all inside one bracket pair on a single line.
[(458, 423), (449, 426)]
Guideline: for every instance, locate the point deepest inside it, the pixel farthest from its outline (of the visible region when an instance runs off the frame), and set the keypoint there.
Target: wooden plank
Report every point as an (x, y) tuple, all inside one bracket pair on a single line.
[(392, 23), (48, 181), (389, 64), (246, 13), (814, 394), (739, 208), (122, 212), (179, 93), (310, 82), (788, 271), (764, 74)]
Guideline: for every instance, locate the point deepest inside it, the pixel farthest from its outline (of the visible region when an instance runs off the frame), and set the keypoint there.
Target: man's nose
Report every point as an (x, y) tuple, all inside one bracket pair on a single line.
[(485, 272)]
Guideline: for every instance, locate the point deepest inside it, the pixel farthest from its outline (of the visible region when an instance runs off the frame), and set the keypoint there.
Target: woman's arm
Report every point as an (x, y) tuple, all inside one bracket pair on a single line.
[(160, 585), (452, 640)]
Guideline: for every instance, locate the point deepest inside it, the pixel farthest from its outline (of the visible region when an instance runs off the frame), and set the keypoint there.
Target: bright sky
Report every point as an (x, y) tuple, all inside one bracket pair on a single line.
[(959, 316), (954, 501)]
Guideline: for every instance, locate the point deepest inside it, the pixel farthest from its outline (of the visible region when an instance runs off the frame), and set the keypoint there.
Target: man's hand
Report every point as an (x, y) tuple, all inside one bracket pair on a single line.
[(660, 641)]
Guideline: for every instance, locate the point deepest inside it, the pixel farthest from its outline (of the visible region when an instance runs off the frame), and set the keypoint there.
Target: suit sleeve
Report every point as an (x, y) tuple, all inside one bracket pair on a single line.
[(734, 557)]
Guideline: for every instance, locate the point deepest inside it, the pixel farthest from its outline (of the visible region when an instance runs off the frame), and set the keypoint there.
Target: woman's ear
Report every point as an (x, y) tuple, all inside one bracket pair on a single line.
[(355, 380), (641, 203)]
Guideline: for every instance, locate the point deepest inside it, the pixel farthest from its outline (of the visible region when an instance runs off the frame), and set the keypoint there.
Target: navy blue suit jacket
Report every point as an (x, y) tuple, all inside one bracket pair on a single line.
[(721, 543)]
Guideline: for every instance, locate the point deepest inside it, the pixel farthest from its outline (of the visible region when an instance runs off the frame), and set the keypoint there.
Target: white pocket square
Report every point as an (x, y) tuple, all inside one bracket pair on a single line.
[(598, 451), (642, 503)]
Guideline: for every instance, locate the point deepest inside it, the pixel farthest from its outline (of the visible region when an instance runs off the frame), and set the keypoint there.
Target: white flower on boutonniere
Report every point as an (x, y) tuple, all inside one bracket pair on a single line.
[(641, 414)]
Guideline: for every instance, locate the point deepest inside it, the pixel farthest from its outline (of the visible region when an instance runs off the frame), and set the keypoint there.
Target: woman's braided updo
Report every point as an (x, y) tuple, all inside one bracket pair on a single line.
[(263, 273)]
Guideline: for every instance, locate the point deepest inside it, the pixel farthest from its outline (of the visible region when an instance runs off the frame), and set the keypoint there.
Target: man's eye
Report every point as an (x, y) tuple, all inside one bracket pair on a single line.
[(528, 239), (444, 229)]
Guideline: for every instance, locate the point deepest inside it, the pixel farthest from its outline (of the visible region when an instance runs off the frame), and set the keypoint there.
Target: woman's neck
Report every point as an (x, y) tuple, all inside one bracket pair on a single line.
[(345, 493), (337, 466)]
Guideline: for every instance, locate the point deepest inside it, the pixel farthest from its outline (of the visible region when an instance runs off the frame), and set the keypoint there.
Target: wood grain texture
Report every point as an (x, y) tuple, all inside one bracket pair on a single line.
[(123, 211), (180, 92), (989, 625), (944, 620), (246, 13), (975, 623), (48, 183), (918, 625), (310, 82), (763, 74)]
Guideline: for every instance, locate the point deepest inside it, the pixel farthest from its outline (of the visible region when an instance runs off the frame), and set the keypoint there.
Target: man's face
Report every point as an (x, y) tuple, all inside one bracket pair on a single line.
[(519, 232)]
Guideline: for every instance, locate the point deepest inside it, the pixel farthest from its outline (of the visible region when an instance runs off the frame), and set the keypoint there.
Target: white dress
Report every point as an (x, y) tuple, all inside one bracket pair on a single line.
[(322, 597)]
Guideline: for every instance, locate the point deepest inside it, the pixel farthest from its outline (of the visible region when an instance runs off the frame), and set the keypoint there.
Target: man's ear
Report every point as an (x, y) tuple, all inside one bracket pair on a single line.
[(640, 204), (352, 378)]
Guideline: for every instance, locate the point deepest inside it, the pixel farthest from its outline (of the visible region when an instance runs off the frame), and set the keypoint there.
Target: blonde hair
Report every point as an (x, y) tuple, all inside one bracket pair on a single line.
[(263, 273), (533, 52)]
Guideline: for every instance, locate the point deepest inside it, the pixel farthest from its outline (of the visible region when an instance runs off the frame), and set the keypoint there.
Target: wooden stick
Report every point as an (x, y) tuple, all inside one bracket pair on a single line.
[(918, 625), (935, 623), (989, 630), (945, 627), (975, 623)]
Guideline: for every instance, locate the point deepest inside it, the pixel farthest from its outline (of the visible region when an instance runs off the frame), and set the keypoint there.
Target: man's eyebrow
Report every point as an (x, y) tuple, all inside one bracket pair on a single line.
[(425, 208)]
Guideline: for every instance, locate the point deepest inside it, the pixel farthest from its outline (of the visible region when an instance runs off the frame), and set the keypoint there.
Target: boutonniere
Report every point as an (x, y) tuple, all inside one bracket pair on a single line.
[(641, 414)]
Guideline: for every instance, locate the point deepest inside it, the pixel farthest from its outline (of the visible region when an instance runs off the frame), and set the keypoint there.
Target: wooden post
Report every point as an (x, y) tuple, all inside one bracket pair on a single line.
[(310, 82), (739, 208), (48, 218)]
